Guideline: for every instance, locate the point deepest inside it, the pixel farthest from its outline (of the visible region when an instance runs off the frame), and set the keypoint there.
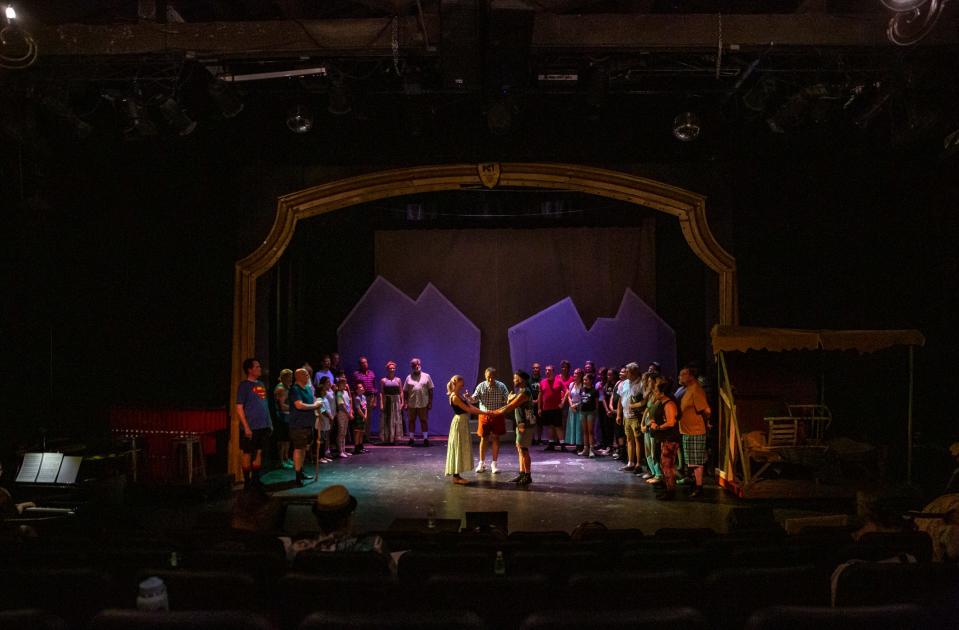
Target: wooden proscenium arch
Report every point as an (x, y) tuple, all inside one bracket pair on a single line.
[(688, 207)]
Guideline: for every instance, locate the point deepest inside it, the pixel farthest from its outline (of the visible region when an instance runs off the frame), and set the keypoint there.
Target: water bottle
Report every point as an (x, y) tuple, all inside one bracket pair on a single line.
[(499, 566), (431, 518), (152, 596)]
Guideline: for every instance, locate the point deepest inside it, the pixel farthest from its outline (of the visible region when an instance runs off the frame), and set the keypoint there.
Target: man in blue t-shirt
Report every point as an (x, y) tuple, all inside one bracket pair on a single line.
[(255, 424)]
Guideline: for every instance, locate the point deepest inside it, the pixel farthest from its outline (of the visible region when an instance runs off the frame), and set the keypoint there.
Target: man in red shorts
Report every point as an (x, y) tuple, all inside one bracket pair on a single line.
[(489, 395)]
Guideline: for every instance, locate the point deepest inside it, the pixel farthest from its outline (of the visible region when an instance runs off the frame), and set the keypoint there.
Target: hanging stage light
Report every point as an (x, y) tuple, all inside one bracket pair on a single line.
[(299, 119), (137, 123), (174, 116), (225, 97), (340, 102), (913, 19), (686, 127)]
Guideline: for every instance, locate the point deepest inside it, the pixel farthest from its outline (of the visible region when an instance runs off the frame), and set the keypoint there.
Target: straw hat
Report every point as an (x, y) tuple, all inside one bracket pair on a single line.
[(334, 499)]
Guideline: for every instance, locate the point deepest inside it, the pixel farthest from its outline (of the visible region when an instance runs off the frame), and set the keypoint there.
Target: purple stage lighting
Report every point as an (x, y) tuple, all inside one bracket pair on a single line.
[(386, 324), (636, 334)]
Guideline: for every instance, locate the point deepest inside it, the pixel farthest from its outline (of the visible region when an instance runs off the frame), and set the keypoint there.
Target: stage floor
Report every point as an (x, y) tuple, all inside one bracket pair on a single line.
[(404, 482)]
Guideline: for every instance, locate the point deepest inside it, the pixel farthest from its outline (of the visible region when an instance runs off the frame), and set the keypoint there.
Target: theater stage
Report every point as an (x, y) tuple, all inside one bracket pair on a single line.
[(404, 482)]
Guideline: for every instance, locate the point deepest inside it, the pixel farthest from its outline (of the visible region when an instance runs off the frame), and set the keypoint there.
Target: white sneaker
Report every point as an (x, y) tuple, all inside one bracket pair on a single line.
[(481, 467), (592, 453), (493, 469)]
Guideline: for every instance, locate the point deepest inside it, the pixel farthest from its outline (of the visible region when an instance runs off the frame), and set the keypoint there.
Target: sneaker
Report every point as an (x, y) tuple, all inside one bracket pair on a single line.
[(344, 455), (410, 443), (305, 475), (325, 460), (602, 451), (493, 469), (518, 478), (582, 452), (426, 442), (592, 453), (647, 475), (287, 464), (654, 481), (481, 468)]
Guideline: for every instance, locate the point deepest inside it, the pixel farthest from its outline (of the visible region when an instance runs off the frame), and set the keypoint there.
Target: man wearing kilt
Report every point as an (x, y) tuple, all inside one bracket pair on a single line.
[(694, 414)]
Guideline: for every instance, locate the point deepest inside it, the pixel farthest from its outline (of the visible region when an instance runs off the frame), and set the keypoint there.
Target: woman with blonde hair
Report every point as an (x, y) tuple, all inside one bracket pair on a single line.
[(459, 448)]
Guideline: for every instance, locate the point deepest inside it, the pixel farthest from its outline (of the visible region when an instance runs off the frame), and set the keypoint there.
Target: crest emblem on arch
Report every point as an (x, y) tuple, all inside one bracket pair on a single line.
[(489, 173)]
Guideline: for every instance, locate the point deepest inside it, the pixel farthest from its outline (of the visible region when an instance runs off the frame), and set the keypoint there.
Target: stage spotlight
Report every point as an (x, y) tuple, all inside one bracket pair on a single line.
[(793, 111), (10, 13), (597, 90), (865, 103), (339, 104), (225, 98), (758, 96), (501, 115), (900, 6), (138, 123), (686, 127), (174, 116), (299, 119), (913, 19), (414, 212)]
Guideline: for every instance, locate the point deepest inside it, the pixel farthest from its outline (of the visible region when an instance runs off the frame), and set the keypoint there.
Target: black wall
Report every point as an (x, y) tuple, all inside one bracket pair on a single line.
[(119, 263)]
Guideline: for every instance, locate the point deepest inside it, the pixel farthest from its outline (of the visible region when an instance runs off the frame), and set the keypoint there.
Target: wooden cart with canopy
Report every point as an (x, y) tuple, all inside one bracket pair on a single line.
[(751, 438)]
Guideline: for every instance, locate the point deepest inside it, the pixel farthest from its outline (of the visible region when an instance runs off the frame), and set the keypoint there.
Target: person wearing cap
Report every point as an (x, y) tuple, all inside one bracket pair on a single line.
[(333, 509)]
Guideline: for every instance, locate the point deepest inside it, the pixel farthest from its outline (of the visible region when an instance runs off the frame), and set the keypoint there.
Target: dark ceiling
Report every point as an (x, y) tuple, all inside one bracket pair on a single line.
[(518, 70)]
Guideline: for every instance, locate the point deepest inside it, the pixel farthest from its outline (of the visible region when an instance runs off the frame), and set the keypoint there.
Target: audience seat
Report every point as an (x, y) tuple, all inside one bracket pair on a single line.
[(646, 619), (625, 590), (502, 602), (264, 567), (878, 583), (734, 593), (204, 590), (178, 620), (916, 544), (894, 617), (297, 595), (694, 561), (74, 594), (539, 538), (416, 566), (426, 620), (559, 564), (695, 534), (617, 536), (31, 619), (343, 563)]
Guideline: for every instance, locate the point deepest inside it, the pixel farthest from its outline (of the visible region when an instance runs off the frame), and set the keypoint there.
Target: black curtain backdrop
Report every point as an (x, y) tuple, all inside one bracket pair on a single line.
[(499, 277)]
